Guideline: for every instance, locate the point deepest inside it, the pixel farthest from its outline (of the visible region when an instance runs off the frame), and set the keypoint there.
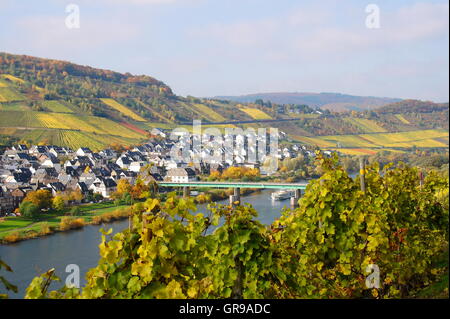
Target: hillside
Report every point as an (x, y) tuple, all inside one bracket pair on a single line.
[(61, 103), (330, 101), (413, 106)]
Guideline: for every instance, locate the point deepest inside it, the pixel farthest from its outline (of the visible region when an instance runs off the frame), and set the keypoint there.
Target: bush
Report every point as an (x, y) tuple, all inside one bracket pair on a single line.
[(97, 197), (111, 216), (45, 229), (203, 198), (12, 237), (71, 223)]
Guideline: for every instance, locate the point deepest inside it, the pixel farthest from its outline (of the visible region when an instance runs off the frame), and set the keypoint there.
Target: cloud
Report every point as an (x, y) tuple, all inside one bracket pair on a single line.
[(50, 33), (312, 33), (146, 2), (420, 21), (241, 34)]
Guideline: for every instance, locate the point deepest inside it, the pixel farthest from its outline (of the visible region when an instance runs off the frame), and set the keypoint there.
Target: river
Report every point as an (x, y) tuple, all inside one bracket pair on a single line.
[(32, 257)]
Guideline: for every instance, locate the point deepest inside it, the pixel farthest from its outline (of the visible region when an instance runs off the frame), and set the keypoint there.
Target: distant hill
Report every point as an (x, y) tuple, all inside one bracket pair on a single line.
[(331, 101), (413, 106)]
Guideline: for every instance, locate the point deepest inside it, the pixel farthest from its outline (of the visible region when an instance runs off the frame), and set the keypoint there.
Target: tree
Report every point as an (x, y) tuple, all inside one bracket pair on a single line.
[(214, 175), (41, 198), (58, 203), (139, 189), (29, 210), (123, 186), (76, 195)]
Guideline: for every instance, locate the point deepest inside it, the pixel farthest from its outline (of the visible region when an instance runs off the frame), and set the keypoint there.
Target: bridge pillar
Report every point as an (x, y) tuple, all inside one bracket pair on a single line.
[(236, 197), (186, 192), (237, 194), (296, 198)]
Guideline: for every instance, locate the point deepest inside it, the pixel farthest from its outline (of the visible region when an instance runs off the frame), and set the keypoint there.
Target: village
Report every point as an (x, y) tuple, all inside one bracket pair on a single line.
[(95, 175)]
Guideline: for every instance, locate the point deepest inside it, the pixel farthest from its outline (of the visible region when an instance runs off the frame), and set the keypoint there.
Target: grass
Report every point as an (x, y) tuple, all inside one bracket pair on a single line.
[(11, 223), (256, 114), (123, 109), (13, 229)]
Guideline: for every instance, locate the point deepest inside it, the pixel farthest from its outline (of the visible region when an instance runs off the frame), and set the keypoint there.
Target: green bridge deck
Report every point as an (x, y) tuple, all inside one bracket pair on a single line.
[(235, 185)]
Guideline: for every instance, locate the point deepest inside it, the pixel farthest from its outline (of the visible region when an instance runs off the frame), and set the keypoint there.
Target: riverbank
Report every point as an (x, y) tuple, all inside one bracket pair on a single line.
[(15, 229)]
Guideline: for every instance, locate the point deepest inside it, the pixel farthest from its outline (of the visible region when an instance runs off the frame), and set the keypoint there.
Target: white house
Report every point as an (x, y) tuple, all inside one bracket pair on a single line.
[(181, 175), (83, 151), (104, 186), (52, 162), (136, 166), (124, 162)]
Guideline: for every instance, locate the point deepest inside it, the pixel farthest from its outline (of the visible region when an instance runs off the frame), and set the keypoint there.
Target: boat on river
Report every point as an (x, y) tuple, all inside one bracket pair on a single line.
[(282, 195)]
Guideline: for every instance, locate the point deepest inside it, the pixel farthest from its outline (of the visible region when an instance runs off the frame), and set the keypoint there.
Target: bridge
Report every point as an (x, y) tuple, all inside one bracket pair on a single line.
[(297, 187)]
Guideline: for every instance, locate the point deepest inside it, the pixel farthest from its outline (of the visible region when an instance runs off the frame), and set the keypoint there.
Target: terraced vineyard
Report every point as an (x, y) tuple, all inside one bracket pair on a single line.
[(14, 106), (123, 109), (84, 123), (12, 78), (8, 94), (256, 114), (212, 115), (94, 141), (402, 119), (368, 126), (314, 141), (421, 138), (57, 106), (355, 151)]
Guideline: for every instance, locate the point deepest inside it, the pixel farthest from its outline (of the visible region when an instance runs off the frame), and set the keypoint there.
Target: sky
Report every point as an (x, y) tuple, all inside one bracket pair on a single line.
[(232, 47)]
